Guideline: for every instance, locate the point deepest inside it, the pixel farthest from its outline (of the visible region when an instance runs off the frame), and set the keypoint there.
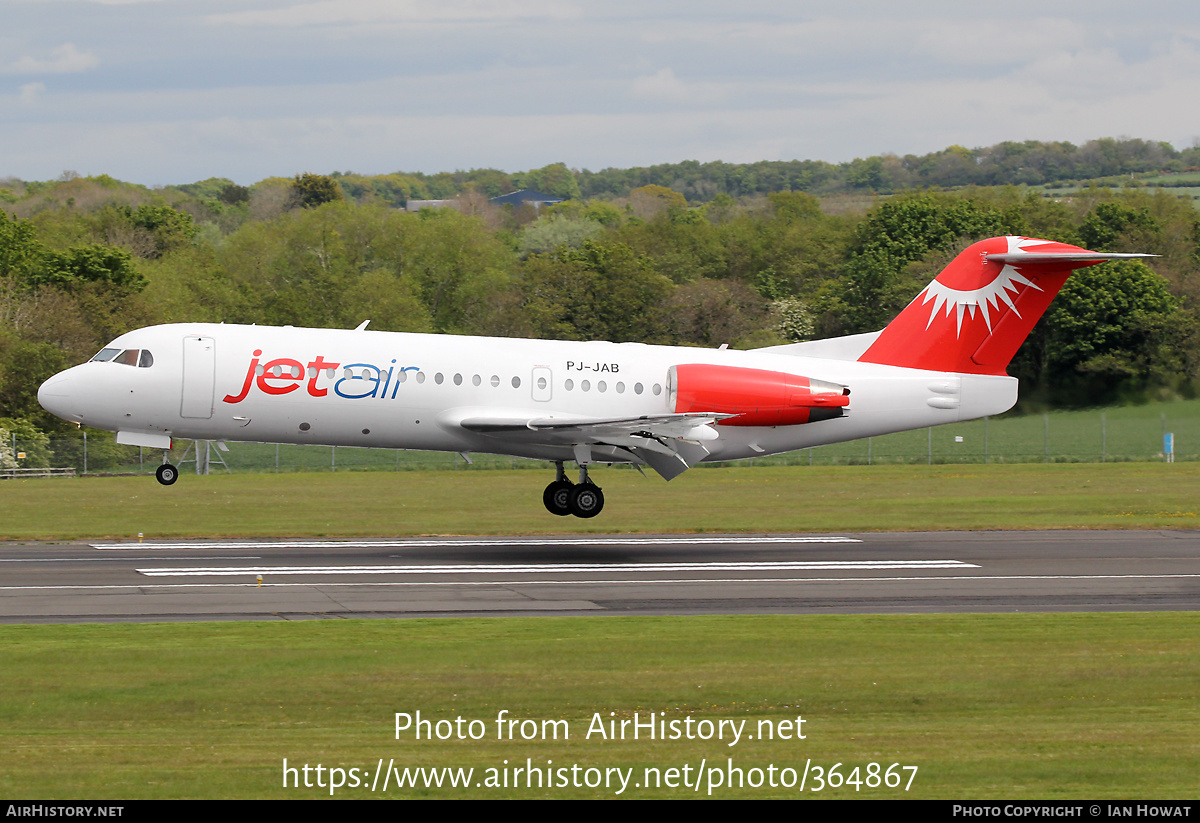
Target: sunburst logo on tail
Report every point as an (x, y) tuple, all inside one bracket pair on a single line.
[(984, 298)]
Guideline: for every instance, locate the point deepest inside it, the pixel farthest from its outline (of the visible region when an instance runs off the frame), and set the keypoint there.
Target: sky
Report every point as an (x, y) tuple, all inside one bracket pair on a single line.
[(173, 91)]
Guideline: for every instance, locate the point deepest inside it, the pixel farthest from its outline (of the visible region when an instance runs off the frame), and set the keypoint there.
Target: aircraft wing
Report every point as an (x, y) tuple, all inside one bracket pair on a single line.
[(668, 443)]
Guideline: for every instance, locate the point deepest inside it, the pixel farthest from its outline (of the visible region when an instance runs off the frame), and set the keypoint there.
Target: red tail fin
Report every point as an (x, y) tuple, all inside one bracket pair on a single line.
[(975, 315)]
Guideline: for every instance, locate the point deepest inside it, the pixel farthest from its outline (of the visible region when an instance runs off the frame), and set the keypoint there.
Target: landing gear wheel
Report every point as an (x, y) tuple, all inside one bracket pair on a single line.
[(557, 497), (586, 500), (166, 474)]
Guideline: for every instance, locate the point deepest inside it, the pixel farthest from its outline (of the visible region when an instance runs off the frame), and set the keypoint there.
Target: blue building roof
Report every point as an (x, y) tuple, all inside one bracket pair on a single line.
[(518, 198)]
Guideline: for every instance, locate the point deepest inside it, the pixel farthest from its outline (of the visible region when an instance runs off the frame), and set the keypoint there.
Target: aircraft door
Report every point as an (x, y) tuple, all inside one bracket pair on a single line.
[(542, 384), (199, 377)]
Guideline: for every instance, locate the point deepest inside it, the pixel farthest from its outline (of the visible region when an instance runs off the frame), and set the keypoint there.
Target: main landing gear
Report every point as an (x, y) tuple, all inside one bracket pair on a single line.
[(582, 499)]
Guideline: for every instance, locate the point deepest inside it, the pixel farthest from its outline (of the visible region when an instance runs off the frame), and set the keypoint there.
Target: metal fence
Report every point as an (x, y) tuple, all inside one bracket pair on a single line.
[(1168, 432)]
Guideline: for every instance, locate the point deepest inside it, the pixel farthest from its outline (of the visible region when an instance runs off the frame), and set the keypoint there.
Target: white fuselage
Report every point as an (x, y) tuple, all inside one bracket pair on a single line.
[(409, 391)]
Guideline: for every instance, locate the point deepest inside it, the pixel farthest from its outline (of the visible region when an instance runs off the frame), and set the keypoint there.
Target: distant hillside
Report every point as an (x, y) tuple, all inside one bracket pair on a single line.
[(1030, 162), (1057, 166)]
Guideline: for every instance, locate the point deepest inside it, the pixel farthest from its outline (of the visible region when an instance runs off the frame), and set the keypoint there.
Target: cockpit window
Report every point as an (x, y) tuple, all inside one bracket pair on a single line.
[(142, 358)]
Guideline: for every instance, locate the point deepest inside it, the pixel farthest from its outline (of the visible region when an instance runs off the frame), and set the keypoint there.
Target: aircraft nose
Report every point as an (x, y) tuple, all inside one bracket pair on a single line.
[(55, 396)]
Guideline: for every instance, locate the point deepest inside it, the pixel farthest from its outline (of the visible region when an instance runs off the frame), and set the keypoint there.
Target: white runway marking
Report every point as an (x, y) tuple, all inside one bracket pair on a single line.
[(547, 542), (426, 583), (118, 559), (556, 568)]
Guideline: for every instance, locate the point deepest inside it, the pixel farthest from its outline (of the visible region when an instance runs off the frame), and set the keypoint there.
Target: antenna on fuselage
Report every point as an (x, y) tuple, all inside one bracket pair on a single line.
[(362, 325)]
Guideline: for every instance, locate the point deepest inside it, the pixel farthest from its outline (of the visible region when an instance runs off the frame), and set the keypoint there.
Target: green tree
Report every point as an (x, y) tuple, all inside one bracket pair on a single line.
[(685, 250), (8, 459), (191, 285), (232, 194), (151, 231), (457, 266), (896, 233), (600, 291), (793, 206), (20, 252), (867, 174), (1114, 331), (312, 190), (711, 312), (388, 301), (554, 179), (75, 268), (661, 195), (551, 231), (24, 366), (295, 270), (34, 443), (1108, 221)]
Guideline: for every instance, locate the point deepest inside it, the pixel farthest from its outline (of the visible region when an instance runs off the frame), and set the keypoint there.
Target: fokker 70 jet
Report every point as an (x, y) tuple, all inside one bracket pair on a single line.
[(942, 360)]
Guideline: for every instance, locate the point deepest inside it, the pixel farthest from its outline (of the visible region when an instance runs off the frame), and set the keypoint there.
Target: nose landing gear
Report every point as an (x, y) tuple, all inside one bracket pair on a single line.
[(166, 474), (582, 499)]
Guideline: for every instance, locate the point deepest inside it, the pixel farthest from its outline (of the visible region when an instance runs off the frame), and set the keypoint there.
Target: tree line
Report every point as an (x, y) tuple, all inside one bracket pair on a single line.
[(1029, 162)]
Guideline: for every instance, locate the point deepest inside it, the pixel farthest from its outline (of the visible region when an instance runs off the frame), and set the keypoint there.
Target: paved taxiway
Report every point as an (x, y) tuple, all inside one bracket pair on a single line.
[(670, 574)]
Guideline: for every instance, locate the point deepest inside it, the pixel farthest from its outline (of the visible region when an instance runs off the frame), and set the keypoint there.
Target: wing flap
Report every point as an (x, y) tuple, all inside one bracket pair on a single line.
[(668, 443)]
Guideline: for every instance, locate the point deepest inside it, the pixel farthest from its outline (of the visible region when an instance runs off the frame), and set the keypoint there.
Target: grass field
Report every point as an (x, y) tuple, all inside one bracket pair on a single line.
[(1176, 185), (759, 499), (986, 706)]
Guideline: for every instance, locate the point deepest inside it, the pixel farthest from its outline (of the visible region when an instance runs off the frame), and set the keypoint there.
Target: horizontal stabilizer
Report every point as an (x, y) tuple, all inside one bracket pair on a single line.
[(978, 311), (1028, 258)]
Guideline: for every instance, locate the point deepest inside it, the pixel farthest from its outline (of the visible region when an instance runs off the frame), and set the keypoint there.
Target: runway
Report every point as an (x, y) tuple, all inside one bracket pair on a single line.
[(885, 573)]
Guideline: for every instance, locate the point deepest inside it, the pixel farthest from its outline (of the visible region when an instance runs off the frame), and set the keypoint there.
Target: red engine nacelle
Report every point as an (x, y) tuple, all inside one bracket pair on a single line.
[(758, 397)]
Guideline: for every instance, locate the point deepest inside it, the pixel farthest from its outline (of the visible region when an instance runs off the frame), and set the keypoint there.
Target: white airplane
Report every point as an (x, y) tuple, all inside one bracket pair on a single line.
[(942, 360)]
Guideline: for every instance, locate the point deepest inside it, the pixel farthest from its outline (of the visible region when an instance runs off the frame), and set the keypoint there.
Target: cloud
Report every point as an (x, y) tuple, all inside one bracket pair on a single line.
[(65, 59), (358, 12), (187, 89), (997, 41), (664, 86), (30, 92)]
